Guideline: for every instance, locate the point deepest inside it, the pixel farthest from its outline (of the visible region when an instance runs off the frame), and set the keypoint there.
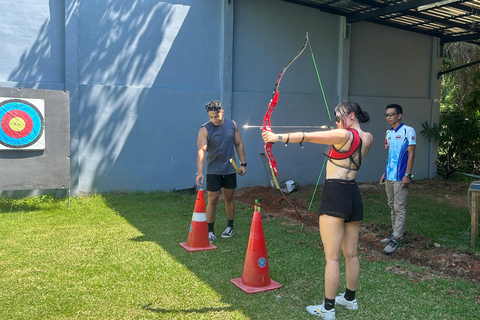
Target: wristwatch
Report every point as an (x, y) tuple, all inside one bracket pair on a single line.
[(279, 138), (243, 164), (409, 175)]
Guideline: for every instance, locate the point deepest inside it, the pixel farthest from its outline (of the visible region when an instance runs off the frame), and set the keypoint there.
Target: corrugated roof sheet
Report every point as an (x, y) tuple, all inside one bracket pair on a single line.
[(449, 20)]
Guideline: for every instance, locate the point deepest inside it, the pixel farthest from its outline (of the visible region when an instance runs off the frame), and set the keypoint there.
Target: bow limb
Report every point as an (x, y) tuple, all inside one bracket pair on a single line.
[(271, 106)]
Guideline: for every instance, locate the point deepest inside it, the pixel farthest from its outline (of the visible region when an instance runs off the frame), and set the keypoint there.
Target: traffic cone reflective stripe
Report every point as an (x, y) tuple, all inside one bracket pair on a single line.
[(256, 273), (198, 233)]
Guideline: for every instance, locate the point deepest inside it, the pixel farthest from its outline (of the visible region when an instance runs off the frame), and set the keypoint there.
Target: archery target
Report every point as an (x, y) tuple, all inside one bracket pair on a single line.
[(22, 124)]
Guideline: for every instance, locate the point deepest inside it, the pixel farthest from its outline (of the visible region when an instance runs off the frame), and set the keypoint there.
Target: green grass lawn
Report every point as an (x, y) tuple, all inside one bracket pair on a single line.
[(117, 256)]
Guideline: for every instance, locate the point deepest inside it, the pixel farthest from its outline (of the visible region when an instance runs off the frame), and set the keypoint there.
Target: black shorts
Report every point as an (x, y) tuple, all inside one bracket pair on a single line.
[(342, 199), (215, 182)]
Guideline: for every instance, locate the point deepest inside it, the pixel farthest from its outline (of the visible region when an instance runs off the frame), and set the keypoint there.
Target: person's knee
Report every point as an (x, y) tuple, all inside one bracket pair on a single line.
[(332, 258), (350, 255), (213, 199), (228, 196)]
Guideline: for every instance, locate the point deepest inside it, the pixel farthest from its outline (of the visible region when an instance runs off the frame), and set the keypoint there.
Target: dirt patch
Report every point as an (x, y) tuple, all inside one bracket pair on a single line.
[(436, 261)]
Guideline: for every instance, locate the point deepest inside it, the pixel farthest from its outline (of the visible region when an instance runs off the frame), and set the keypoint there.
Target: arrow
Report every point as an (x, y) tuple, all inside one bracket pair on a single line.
[(297, 127)]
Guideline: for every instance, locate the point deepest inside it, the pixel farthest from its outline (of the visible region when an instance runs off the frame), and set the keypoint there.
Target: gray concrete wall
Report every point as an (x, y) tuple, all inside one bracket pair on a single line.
[(268, 34), (145, 73), (394, 66), (139, 74)]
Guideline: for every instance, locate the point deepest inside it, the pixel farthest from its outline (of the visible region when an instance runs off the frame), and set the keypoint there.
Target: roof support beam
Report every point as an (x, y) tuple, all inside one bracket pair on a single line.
[(457, 68), (424, 16), (407, 28), (446, 22), (318, 7), (449, 20), (466, 38)]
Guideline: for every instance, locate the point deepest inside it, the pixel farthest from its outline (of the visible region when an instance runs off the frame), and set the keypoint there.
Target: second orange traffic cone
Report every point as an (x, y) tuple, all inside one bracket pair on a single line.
[(198, 233), (256, 273)]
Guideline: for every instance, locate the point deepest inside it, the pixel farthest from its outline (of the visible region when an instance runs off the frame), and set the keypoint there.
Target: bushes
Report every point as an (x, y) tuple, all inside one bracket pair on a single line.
[(458, 143), (458, 132)]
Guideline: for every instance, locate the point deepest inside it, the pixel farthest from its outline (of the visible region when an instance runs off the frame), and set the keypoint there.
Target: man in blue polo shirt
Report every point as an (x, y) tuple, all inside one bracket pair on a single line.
[(400, 140)]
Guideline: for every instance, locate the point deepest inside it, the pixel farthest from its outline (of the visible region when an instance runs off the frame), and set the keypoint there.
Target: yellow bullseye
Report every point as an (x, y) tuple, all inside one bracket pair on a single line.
[(17, 124)]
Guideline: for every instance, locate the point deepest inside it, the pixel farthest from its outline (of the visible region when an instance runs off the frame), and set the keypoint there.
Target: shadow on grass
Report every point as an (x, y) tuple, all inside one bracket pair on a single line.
[(185, 311), (166, 222)]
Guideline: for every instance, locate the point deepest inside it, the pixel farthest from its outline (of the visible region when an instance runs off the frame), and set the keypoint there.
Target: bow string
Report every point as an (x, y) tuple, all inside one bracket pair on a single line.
[(329, 118)]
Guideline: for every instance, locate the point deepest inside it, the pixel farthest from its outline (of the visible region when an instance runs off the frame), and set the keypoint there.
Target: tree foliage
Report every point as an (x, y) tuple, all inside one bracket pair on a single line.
[(458, 132)]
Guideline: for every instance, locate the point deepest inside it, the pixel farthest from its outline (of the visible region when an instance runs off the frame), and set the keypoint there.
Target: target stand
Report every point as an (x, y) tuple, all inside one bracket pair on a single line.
[(34, 140)]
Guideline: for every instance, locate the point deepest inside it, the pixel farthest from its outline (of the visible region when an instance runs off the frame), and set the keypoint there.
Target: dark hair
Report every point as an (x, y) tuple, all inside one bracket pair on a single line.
[(397, 107), (214, 106), (345, 108)]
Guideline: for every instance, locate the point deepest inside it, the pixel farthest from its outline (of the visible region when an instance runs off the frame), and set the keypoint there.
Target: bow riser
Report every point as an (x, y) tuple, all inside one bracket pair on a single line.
[(267, 127)]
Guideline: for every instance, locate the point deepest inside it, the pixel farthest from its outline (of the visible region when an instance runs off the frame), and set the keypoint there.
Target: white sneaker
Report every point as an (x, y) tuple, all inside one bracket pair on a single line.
[(211, 237), (351, 305), (320, 311), (228, 233)]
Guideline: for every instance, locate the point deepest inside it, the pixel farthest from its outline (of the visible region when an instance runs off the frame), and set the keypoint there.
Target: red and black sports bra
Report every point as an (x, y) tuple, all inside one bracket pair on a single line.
[(351, 158)]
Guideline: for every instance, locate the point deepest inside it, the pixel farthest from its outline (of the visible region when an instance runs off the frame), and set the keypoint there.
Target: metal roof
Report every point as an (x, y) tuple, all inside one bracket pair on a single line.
[(449, 20)]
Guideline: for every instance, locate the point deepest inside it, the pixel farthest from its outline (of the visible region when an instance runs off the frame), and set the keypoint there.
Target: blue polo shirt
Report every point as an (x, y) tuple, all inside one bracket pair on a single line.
[(397, 142)]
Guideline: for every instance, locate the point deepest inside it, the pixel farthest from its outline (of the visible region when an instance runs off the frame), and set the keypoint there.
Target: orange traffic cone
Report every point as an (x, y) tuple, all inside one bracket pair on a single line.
[(256, 274), (198, 234)]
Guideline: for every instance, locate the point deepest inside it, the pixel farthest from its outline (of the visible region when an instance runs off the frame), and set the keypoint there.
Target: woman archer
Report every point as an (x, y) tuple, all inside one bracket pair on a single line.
[(341, 209)]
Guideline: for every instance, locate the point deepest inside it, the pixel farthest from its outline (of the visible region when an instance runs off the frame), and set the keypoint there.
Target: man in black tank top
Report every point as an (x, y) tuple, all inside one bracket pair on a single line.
[(217, 141)]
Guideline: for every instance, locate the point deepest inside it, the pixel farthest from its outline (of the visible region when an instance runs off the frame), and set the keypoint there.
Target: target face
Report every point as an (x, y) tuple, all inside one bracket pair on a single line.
[(22, 124)]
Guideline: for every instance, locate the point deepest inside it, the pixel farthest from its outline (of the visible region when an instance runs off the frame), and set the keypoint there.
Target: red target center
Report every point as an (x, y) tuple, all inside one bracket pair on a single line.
[(10, 118)]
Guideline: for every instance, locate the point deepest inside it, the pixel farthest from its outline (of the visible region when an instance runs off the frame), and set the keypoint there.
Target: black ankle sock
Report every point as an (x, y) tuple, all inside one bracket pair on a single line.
[(230, 223), (349, 295), (329, 304), (210, 226)]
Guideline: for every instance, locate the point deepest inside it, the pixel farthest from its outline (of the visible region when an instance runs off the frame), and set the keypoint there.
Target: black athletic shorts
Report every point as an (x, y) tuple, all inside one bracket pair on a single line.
[(215, 182), (342, 199)]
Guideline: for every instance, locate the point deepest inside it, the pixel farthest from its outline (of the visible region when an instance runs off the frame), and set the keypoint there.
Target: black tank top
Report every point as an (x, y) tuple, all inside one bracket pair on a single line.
[(220, 147)]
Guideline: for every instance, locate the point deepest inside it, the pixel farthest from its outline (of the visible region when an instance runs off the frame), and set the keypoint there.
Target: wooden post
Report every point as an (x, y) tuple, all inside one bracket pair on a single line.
[(475, 208)]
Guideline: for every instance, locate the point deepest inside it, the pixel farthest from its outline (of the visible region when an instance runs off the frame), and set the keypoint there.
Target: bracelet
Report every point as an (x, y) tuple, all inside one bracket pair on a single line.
[(288, 139), (303, 138)]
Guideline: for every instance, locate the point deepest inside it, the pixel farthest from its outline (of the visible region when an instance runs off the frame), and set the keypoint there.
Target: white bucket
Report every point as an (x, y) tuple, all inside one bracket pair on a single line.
[(290, 184)]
